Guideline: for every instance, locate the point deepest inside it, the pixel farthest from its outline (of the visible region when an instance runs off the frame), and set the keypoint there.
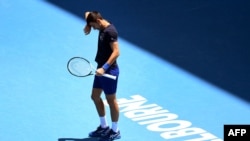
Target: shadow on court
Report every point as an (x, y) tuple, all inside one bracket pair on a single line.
[(209, 39), (75, 139)]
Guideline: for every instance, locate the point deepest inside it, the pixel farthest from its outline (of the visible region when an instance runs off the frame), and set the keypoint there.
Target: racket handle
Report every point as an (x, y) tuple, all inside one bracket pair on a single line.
[(109, 76)]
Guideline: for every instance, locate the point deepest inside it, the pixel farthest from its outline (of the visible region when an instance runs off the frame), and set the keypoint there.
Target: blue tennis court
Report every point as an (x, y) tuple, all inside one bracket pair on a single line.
[(159, 100)]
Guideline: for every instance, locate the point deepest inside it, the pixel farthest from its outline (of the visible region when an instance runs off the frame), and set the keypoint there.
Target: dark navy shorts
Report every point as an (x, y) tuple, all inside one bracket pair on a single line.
[(108, 85)]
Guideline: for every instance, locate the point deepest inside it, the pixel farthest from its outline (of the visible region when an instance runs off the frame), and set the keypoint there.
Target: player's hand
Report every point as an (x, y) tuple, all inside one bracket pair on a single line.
[(87, 29), (100, 72), (86, 14)]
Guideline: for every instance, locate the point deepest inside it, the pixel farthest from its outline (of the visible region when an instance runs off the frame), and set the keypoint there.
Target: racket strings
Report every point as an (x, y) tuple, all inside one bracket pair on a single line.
[(79, 67)]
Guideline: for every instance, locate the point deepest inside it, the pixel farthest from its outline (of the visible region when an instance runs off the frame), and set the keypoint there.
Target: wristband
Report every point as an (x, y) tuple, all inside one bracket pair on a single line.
[(105, 66)]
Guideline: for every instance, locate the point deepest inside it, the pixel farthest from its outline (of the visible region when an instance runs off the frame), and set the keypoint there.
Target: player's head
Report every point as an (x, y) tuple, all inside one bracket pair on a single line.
[(94, 19)]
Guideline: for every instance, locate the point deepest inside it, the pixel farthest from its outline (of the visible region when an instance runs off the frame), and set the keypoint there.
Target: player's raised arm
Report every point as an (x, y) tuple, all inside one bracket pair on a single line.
[(87, 27)]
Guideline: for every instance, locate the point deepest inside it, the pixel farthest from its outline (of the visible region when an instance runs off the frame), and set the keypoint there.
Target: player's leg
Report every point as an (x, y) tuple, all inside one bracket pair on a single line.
[(114, 109), (109, 87), (114, 132), (103, 129), (96, 97), (110, 93)]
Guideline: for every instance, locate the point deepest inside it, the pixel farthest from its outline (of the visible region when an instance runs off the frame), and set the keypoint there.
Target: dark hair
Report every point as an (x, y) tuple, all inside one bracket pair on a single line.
[(93, 16)]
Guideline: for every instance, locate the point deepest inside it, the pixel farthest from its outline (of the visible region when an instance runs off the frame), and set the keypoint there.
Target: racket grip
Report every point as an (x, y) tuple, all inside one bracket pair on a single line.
[(109, 76)]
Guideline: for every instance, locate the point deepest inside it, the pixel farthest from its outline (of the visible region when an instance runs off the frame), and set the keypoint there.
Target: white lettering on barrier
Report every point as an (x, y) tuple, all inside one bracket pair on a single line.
[(161, 120), (182, 133), (171, 125), (164, 117)]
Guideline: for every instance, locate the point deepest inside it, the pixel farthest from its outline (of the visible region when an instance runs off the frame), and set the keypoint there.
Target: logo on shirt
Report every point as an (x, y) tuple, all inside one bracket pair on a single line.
[(101, 36)]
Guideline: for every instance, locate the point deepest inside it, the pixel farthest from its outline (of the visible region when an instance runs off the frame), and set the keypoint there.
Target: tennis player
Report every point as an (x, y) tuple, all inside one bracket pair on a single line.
[(107, 54)]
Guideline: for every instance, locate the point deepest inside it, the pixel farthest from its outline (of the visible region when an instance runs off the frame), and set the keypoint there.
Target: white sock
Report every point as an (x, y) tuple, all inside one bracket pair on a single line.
[(114, 126), (103, 122)]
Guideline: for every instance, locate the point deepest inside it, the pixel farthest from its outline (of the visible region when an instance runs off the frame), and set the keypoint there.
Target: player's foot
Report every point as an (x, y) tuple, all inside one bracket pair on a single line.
[(111, 135), (99, 132)]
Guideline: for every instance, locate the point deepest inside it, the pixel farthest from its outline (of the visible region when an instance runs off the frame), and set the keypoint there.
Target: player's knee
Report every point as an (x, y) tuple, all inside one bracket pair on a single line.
[(111, 101), (95, 98)]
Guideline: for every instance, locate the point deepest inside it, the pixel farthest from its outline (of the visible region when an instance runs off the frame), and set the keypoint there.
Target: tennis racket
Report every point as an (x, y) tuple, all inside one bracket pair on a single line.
[(81, 67)]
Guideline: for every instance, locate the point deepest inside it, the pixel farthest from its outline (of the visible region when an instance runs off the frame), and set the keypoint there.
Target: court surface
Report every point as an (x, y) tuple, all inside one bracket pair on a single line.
[(41, 101)]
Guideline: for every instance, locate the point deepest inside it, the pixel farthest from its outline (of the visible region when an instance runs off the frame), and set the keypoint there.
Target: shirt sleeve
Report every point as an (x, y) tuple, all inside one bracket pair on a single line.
[(112, 36)]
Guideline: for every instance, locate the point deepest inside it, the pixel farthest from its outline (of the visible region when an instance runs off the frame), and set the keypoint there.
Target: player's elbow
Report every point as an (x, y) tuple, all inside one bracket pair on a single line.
[(118, 53)]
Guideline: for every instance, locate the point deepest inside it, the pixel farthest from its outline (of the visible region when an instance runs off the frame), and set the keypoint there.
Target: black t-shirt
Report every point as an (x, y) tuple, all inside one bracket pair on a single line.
[(106, 36)]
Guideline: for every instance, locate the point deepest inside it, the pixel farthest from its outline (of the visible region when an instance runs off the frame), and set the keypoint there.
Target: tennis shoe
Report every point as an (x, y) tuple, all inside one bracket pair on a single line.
[(111, 135), (99, 132)]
